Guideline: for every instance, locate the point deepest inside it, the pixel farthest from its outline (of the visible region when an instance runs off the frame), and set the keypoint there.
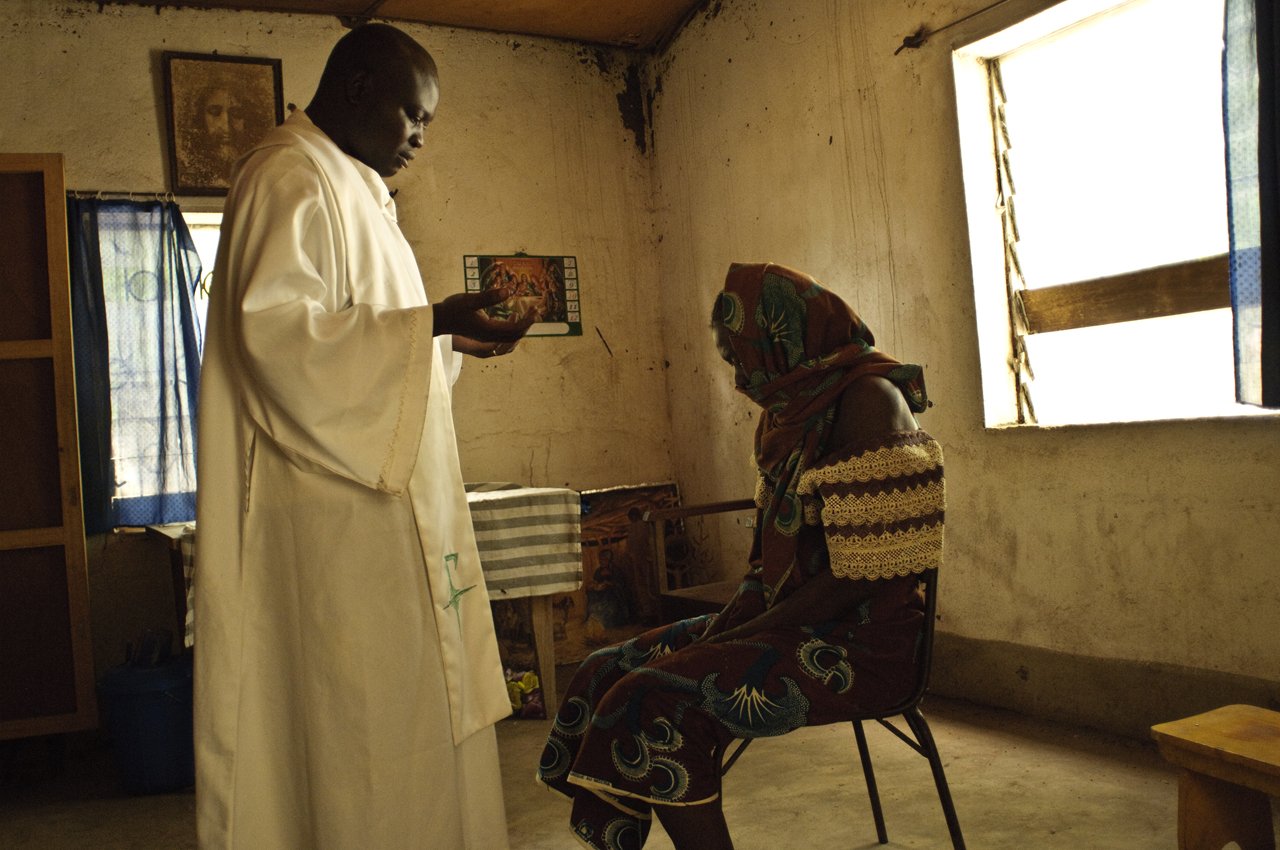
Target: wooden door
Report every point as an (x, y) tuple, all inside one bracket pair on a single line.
[(46, 658)]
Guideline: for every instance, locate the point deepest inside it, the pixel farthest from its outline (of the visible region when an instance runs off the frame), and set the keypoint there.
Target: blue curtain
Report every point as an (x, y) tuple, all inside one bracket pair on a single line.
[(134, 273), (1249, 77)]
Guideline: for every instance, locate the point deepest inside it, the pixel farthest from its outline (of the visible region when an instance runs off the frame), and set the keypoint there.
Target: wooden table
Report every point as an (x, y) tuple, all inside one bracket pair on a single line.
[(1230, 760), (180, 538)]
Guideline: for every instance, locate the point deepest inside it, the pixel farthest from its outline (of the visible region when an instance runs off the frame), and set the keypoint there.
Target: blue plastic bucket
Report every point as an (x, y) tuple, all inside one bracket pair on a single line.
[(148, 717)]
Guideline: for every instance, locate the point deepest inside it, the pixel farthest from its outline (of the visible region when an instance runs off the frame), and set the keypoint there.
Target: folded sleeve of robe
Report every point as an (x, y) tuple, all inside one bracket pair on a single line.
[(337, 384)]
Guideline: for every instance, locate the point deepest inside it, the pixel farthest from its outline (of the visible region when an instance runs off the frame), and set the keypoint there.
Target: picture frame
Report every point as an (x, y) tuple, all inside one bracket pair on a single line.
[(545, 286), (216, 108)]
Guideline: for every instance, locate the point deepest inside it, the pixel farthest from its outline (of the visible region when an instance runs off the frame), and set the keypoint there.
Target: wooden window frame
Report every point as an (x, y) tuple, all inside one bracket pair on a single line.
[(1170, 290)]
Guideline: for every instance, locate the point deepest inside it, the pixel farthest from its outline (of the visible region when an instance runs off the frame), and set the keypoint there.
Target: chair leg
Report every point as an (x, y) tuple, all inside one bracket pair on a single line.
[(921, 729), (869, 772)]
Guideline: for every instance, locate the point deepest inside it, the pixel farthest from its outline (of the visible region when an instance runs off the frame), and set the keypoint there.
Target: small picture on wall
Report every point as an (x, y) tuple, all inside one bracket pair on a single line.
[(216, 107), (547, 287)]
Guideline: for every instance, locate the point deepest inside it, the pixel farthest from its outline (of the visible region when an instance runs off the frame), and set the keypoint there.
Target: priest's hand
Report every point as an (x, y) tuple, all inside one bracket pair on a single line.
[(463, 316), (475, 348)]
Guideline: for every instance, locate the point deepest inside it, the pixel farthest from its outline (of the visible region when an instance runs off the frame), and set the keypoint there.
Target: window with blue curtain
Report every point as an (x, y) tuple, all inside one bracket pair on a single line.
[(1252, 126), (134, 273)]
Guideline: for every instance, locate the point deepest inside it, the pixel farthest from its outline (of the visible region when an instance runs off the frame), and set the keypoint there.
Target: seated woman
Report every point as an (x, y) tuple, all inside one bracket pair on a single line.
[(826, 623)]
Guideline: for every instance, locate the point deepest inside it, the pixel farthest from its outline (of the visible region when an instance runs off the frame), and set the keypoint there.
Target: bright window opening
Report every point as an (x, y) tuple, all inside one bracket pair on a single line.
[(1092, 147), (206, 228)]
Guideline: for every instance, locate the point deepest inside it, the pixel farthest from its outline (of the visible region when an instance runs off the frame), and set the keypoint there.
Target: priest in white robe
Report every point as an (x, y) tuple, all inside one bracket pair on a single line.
[(347, 672)]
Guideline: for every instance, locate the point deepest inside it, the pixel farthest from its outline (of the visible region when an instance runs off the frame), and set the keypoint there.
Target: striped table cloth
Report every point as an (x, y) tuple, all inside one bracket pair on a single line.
[(529, 540)]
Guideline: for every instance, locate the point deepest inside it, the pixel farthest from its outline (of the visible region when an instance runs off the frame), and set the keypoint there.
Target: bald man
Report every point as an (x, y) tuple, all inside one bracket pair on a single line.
[(347, 673)]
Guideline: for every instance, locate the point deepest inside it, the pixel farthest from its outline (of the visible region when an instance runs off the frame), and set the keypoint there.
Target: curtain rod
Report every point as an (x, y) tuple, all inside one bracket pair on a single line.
[(131, 194), (193, 201)]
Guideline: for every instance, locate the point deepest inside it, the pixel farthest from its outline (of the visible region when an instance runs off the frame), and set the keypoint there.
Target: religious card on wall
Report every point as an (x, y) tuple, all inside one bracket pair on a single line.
[(545, 287)]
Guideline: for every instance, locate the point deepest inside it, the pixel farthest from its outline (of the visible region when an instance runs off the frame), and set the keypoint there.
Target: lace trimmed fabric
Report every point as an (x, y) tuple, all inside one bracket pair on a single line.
[(881, 507)]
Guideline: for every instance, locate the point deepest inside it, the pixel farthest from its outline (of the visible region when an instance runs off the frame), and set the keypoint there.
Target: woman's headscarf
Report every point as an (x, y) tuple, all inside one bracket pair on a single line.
[(799, 346)]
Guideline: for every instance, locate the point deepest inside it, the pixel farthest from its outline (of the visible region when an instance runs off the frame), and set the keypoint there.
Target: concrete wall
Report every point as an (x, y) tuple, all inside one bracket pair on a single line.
[(788, 131)]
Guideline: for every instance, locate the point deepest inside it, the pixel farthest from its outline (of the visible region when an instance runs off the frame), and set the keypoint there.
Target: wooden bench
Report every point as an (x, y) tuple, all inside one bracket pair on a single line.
[(1230, 760)]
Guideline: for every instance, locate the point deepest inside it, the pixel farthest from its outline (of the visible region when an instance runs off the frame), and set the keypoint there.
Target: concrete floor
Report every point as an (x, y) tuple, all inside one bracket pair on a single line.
[(1017, 783)]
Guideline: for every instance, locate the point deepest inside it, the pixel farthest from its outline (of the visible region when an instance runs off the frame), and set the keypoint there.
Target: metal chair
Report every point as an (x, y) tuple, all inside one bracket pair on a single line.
[(909, 710)]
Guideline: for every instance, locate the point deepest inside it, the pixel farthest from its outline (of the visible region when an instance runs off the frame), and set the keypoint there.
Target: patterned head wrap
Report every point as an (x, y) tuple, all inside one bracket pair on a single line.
[(799, 347)]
